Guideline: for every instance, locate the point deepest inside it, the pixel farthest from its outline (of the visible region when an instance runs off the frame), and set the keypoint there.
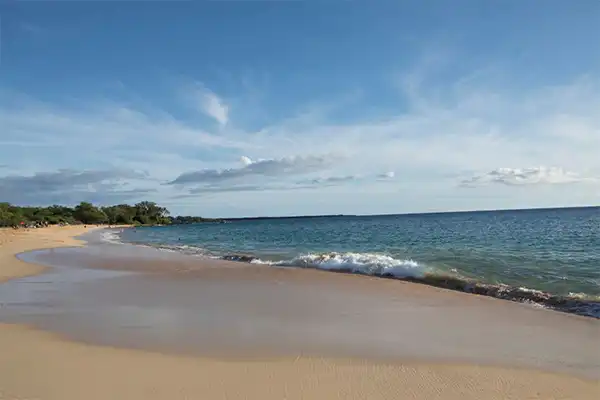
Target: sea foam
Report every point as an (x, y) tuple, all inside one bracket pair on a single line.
[(110, 236), (357, 263)]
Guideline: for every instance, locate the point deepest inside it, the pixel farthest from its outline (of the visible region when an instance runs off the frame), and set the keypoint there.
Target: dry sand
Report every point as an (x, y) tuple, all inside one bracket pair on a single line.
[(16, 241), (37, 365)]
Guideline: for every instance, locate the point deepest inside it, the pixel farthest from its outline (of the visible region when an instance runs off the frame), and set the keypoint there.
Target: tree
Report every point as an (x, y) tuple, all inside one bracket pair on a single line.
[(147, 212), (122, 214), (61, 213), (87, 213), (10, 215)]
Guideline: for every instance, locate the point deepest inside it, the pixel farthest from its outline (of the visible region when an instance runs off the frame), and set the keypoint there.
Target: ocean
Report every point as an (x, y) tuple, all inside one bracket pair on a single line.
[(549, 258)]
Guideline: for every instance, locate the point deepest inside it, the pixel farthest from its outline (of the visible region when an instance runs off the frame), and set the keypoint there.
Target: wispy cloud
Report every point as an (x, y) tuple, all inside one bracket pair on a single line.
[(103, 135), (264, 168), (70, 186), (208, 103), (333, 180), (526, 177), (339, 180), (210, 185)]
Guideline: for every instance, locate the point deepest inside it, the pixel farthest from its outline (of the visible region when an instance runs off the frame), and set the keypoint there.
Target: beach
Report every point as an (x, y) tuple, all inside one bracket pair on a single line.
[(111, 365)]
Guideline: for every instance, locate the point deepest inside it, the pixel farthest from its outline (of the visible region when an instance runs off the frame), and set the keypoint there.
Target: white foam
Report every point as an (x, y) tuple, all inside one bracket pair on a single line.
[(183, 249), (529, 290), (361, 263), (583, 296), (111, 236)]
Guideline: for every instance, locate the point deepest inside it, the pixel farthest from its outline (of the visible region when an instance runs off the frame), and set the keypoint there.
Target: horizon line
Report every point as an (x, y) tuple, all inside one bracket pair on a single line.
[(409, 213)]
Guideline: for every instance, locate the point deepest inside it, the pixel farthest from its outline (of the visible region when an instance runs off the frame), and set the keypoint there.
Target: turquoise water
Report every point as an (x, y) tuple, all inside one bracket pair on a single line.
[(555, 251)]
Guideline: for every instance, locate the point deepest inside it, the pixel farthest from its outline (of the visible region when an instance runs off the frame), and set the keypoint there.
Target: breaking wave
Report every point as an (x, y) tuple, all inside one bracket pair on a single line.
[(110, 236), (356, 263)]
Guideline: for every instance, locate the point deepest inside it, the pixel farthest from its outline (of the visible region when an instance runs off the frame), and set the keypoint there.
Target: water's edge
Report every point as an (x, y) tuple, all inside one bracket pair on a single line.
[(406, 270)]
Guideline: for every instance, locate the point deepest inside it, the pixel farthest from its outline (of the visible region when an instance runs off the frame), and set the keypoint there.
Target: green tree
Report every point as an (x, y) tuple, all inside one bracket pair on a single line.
[(147, 212), (61, 213), (120, 214), (10, 215), (87, 213)]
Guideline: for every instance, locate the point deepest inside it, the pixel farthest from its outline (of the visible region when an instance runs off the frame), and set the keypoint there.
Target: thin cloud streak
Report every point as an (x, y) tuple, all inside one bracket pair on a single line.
[(262, 168), (308, 184), (527, 177)]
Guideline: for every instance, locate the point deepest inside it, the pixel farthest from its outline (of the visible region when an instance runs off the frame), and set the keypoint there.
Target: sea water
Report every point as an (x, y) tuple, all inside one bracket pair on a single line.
[(551, 256)]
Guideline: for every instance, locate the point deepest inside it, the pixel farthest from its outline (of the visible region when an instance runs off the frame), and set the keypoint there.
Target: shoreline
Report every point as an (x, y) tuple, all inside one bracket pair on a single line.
[(16, 241), (582, 304), (29, 355)]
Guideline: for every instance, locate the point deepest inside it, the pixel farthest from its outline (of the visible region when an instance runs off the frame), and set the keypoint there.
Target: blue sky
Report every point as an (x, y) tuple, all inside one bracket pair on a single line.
[(239, 108)]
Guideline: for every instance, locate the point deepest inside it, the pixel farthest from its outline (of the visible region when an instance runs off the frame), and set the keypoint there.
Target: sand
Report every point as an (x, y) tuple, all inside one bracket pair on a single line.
[(16, 241), (39, 365)]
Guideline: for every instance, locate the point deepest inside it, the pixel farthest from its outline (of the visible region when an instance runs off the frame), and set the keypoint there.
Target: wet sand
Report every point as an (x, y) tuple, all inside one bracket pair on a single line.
[(171, 326)]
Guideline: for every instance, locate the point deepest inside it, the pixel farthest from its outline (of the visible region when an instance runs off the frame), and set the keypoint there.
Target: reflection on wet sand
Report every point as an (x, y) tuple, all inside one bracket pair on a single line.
[(134, 297)]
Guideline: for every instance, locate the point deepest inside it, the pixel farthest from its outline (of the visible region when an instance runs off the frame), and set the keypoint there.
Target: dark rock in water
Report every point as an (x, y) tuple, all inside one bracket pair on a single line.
[(239, 257), (582, 306)]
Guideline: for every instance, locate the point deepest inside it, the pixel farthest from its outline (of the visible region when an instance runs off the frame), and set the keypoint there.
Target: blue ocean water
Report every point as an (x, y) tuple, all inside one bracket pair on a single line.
[(553, 251)]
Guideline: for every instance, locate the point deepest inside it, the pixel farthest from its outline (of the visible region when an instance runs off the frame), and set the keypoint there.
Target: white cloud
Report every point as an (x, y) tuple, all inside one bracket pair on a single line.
[(103, 135), (466, 130), (214, 107), (245, 160), (207, 102), (527, 176)]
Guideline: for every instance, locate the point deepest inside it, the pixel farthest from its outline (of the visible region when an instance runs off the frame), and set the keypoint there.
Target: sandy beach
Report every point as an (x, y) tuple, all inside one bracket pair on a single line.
[(35, 364)]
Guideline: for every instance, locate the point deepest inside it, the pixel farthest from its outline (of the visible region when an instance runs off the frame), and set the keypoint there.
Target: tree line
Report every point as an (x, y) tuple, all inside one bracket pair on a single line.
[(142, 213)]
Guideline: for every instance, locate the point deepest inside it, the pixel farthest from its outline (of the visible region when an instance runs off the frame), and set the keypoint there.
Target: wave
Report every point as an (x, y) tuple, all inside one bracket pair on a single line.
[(356, 263), (182, 249), (111, 236), (409, 270)]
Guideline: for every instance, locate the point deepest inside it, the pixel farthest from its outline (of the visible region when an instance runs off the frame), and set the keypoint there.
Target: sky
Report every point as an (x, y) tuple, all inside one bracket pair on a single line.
[(251, 108)]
